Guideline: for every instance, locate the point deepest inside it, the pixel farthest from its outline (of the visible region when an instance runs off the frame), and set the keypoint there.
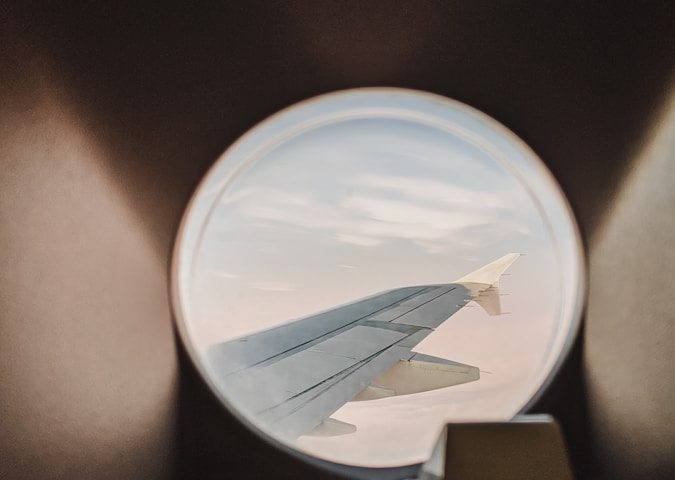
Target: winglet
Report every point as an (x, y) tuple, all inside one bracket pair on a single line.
[(489, 274), (484, 283)]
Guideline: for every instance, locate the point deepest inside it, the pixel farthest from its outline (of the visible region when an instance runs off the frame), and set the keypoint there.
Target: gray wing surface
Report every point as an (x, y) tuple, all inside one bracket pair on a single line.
[(293, 377)]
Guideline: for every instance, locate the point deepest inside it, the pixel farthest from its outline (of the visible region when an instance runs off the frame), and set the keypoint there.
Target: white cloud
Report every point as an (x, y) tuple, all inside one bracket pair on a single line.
[(272, 195), (409, 212), (428, 213), (435, 191)]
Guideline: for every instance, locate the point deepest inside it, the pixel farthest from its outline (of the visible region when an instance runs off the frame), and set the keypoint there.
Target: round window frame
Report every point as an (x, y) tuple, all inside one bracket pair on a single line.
[(305, 114)]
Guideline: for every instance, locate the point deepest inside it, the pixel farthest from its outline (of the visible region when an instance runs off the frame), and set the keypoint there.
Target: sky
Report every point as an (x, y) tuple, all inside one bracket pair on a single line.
[(355, 207)]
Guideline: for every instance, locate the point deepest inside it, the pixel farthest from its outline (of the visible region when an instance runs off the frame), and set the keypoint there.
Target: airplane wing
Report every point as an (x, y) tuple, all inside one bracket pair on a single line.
[(293, 377)]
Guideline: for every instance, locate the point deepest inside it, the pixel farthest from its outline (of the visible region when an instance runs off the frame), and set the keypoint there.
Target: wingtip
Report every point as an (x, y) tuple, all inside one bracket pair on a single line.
[(489, 274)]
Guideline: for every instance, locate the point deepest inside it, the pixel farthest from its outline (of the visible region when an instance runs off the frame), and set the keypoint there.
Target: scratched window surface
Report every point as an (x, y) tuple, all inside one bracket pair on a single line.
[(366, 266)]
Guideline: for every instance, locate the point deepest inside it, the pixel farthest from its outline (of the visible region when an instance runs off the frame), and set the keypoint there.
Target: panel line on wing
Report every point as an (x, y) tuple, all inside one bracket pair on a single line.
[(422, 304), (334, 331), (434, 312), (331, 353), (337, 377)]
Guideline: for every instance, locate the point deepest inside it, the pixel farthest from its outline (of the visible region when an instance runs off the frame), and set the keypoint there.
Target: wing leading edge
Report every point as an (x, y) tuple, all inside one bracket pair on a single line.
[(293, 377)]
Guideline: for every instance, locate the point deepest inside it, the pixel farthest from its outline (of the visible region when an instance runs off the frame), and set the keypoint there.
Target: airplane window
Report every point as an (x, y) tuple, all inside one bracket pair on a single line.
[(365, 266)]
